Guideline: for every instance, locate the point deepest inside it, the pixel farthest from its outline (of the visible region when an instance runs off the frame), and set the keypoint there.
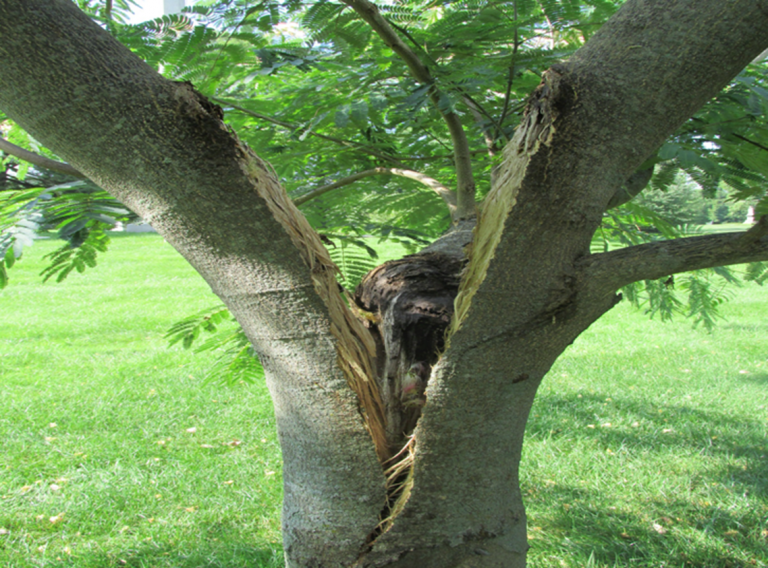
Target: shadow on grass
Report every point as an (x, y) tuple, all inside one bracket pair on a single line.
[(761, 379), (658, 425), (744, 327), (687, 536), (688, 530)]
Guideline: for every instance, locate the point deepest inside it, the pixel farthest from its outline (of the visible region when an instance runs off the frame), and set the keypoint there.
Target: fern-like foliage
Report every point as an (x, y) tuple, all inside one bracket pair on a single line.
[(316, 92), (632, 224), (20, 221), (704, 297), (77, 212), (354, 258), (236, 360), (186, 331), (90, 240), (757, 272), (697, 295)]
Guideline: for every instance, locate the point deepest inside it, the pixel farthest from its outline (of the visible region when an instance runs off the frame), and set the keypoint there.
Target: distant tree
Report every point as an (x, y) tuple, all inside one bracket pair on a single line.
[(681, 203)]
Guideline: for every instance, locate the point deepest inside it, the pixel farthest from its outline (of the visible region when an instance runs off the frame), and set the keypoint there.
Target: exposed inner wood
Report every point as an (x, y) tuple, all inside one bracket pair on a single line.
[(407, 304), (354, 346), (535, 130)]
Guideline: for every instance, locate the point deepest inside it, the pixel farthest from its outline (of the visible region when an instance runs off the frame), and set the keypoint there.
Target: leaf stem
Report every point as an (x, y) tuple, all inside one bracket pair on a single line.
[(445, 194)]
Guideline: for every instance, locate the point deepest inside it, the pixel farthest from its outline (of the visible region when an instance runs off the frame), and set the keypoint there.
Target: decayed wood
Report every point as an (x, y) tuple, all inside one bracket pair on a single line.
[(407, 305)]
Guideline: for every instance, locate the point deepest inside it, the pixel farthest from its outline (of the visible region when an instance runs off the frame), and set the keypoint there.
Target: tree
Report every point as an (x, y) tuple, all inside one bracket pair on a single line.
[(363, 487)]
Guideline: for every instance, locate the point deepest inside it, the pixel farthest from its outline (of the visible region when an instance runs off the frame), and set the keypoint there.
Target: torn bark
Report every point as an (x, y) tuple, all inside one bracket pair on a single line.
[(459, 504), (157, 147)]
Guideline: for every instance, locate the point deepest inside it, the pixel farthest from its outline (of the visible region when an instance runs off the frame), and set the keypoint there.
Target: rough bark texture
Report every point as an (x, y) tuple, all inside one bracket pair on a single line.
[(530, 287)]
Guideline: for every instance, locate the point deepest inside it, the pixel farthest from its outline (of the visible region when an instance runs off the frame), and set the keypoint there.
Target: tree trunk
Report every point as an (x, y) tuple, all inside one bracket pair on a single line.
[(450, 497)]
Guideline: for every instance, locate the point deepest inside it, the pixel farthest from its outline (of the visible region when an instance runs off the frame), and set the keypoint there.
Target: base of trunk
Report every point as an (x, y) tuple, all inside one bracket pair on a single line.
[(486, 553)]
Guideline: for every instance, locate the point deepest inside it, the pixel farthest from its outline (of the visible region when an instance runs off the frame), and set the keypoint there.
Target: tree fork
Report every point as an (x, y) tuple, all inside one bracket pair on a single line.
[(611, 105)]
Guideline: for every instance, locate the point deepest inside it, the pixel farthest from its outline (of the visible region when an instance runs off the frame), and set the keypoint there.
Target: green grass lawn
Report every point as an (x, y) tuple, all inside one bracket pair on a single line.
[(647, 445), (724, 228)]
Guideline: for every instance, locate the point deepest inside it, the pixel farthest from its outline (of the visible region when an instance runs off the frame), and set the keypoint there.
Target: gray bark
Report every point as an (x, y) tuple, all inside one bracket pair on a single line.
[(530, 288)]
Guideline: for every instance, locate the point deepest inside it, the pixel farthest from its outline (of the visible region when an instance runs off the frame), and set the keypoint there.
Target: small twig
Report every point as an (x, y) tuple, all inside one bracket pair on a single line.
[(490, 141), (293, 127), (446, 194), (436, 157), (370, 13), (38, 160), (474, 107)]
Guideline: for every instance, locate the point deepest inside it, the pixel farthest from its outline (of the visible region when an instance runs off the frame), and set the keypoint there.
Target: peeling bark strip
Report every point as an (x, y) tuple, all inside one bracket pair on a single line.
[(536, 128), (355, 347)]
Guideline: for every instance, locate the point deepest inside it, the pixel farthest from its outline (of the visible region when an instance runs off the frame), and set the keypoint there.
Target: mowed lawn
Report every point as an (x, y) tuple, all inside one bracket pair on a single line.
[(648, 444)]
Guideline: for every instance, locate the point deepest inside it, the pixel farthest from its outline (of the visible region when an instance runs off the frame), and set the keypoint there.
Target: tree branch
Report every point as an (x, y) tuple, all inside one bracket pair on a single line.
[(745, 139), (446, 194), (635, 184), (475, 108), (655, 260), (478, 112), (435, 157), (162, 149), (38, 160), (465, 189)]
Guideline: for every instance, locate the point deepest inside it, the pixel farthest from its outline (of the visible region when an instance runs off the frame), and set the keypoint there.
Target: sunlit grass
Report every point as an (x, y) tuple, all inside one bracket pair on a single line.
[(99, 464), (647, 445)]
